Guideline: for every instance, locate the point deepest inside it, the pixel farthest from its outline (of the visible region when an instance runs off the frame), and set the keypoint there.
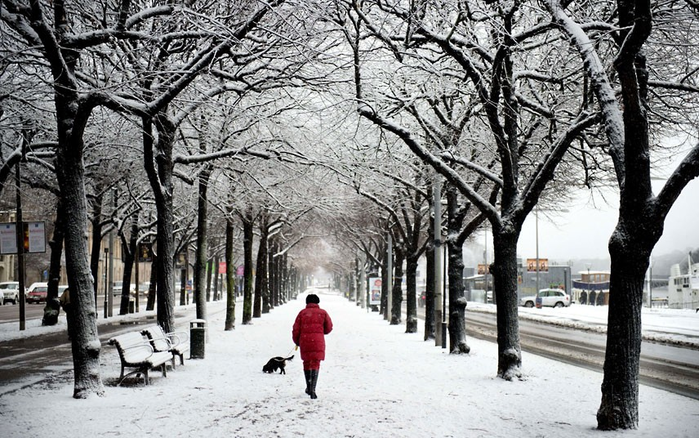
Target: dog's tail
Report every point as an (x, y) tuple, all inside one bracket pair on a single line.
[(290, 357)]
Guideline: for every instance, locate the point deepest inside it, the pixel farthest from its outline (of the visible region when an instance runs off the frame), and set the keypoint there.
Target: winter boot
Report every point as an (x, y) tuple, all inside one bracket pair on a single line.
[(307, 374), (314, 381)]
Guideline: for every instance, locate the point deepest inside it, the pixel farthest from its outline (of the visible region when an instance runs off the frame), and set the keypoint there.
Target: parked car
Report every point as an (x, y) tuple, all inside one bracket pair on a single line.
[(528, 301), (119, 287), (9, 292), (37, 293), (552, 298), (143, 289)]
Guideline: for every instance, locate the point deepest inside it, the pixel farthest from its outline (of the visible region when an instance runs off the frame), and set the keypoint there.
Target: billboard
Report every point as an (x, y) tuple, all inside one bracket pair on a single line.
[(34, 237), (543, 265), (374, 290)]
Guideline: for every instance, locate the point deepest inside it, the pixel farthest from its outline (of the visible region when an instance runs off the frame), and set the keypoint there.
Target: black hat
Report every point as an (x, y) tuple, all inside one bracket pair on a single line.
[(312, 298)]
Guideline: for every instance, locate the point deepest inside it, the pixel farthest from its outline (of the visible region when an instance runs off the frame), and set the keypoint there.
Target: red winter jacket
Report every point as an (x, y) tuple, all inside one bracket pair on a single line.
[(310, 328)]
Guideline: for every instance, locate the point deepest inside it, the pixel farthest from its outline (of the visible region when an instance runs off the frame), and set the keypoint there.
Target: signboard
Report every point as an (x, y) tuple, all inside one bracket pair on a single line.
[(145, 252), (543, 265), (483, 269), (221, 267), (34, 237), (180, 261), (374, 290)]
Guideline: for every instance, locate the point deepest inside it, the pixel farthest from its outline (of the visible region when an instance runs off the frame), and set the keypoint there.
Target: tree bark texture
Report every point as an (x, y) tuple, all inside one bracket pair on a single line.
[(411, 293), (86, 346), (201, 256), (130, 253), (397, 292), (53, 308), (230, 277), (504, 272), (161, 183), (619, 406), (261, 280), (248, 236)]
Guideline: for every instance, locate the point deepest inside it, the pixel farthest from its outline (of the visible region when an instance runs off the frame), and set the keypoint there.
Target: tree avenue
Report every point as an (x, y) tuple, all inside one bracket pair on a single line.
[(281, 136)]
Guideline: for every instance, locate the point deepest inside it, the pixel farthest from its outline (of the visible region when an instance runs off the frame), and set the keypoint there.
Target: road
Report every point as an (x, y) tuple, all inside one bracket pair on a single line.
[(663, 366)]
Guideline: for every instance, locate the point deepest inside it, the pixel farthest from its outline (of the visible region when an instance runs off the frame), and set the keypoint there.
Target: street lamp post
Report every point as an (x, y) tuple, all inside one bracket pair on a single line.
[(536, 225)]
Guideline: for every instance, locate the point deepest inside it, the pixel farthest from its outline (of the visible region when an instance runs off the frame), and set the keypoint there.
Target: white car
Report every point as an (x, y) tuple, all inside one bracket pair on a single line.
[(528, 301), (9, 292), (552, 298)]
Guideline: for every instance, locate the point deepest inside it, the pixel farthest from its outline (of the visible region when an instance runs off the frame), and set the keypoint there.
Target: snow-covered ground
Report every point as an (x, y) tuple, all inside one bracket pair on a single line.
[(377, 381)]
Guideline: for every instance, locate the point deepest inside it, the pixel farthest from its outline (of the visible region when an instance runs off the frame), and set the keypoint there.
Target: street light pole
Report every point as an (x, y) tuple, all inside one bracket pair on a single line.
[(536, 217)]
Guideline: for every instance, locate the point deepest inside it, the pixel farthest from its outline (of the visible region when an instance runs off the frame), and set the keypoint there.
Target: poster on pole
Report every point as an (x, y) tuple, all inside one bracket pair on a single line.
[(543, 265), (374, 291), (34, 237)]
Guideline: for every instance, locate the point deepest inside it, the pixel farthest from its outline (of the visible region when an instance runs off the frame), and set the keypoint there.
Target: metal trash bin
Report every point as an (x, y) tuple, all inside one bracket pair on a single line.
[(132, 306), (197, 338)]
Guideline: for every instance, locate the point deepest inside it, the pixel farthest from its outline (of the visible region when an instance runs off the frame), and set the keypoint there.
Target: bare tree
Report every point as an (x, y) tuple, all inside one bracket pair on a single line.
[(627, 122)]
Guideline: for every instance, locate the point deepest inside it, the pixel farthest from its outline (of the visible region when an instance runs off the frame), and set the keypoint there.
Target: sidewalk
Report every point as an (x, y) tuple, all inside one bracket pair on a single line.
[(377, 381)]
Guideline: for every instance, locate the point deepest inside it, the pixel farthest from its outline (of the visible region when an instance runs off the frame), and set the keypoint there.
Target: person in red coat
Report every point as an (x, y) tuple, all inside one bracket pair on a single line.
[(310, 328)]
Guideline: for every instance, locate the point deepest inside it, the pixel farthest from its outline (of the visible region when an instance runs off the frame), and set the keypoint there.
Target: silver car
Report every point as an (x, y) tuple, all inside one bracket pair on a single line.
[(9, 292)]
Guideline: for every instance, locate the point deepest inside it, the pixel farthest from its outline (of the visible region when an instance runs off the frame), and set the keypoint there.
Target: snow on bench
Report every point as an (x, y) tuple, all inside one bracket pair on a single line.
[(175, 342), (135, 351)]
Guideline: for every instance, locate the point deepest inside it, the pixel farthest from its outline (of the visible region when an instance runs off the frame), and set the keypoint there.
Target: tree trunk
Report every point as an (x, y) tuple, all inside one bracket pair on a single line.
[(130, 255), (211, 267), (384, 285), (504, 272), (397, 293), (230, 277), (96, 248), (411, 294), (429, 290), (272, 267), (53, 308), (261, 279), (457, 301), (153, 286), (457, 297), (162, 186), (619, 407), (248, 235), (86, 346), (201, 255)]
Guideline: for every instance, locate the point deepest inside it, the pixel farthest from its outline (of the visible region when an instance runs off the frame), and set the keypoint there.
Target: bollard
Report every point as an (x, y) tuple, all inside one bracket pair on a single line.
[(197, 338)]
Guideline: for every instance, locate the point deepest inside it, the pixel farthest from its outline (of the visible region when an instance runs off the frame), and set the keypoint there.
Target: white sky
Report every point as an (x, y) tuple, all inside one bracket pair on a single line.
[(583, 231), (377, 381)]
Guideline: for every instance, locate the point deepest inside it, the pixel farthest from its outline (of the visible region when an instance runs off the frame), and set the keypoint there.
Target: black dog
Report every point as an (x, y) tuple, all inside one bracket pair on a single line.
[(276, 363)]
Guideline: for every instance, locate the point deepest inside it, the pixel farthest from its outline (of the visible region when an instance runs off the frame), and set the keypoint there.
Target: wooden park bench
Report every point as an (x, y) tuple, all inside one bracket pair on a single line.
[(175, 343), (135, 351)]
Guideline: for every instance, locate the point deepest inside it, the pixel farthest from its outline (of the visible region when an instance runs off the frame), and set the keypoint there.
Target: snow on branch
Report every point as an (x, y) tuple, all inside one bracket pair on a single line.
[(596, 71)]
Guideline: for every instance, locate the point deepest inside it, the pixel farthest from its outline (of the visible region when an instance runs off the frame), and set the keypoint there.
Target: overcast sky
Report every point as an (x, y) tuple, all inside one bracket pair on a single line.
[(583, 231)]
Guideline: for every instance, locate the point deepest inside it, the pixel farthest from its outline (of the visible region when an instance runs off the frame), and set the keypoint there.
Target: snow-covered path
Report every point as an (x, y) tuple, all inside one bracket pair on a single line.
[(377, 381)]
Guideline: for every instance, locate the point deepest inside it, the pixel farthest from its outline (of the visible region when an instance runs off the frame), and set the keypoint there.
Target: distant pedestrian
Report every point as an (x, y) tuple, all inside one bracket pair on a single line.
[(310, 328)]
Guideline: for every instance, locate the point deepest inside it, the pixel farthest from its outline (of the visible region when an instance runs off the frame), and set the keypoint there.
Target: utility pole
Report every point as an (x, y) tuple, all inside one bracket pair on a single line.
[(19, 224)]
